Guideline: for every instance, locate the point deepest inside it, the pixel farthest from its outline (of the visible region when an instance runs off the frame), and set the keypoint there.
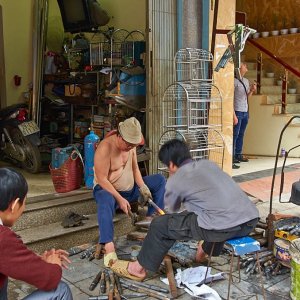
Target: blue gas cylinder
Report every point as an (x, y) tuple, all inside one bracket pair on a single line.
[(90, 143)]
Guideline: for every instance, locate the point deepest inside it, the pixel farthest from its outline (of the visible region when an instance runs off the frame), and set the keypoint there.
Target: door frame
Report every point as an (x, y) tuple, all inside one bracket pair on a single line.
[(3, 102)]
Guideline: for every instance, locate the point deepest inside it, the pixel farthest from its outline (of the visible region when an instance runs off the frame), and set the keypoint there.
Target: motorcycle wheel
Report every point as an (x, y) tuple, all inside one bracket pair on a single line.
[(32, 162)]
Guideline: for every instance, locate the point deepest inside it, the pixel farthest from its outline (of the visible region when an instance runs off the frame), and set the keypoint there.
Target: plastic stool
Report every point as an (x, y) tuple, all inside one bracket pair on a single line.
[(242, 246)]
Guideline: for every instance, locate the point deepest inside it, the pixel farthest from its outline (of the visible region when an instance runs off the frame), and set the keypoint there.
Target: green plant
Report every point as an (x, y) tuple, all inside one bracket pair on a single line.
[(275, 21), (293, 84), (284, 23), (294, 22)]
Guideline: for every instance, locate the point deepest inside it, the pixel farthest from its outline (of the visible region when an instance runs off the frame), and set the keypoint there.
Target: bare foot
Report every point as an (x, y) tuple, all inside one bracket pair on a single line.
[(201, 256), (109, 247), (134, 268)]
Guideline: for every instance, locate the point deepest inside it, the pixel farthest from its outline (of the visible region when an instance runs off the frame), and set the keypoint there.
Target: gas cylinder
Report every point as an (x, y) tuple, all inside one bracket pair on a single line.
[(90, 143)]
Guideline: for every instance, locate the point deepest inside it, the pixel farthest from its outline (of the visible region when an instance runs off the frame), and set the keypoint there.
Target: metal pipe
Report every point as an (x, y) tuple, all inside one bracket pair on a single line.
[(39, 41)]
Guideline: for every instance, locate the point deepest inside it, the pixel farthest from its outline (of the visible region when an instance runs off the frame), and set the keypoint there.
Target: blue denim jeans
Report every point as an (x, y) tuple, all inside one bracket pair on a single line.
[(106, 203), (239, 132)]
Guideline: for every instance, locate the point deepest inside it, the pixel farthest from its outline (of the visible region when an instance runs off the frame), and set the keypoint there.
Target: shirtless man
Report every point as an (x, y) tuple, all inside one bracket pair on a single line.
[(118, 180)]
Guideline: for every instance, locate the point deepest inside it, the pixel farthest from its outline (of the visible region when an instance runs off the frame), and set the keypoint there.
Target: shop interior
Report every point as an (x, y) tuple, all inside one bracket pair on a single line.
[(94, 73)]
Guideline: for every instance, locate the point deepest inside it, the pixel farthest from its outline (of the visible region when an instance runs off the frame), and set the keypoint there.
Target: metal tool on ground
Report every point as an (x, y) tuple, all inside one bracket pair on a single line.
[(103, 283), (104, 297), (118, 284), (111, 289), (89, 253), (78, 249), (170, 276), (140, 289), (108, 285), (148, 286), (132, 296), (95, 281), (133, 216)]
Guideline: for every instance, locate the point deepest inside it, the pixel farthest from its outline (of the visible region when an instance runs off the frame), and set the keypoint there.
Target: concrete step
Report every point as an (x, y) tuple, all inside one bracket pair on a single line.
[(292, 108), (276, 99), (270, 89), (43, 237), (53, 208), (264, 80)]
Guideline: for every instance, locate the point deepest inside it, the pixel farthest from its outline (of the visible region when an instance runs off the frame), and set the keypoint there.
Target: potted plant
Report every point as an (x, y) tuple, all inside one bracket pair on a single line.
[(294, 28), (256, 34), (292, 88), (269, 72), (275, 23), (279, 81), (284, 30), (263, 32)]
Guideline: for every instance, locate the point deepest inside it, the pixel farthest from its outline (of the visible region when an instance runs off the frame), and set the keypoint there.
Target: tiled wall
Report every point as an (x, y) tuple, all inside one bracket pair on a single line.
[(269, 15), (224, 78)]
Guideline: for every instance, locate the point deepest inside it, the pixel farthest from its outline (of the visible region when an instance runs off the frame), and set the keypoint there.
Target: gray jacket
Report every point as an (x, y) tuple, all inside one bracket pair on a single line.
[(203, 188)]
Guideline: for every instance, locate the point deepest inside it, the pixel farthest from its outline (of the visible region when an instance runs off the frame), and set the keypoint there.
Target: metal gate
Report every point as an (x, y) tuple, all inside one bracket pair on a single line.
[(162, 43)]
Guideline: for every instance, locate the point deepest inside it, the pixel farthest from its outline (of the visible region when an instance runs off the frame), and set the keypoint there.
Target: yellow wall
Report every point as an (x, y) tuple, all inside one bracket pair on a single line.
[(17, 24), (126, 14)]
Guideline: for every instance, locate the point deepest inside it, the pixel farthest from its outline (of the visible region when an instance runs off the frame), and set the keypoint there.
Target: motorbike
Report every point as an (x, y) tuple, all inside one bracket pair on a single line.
[(20, 138)]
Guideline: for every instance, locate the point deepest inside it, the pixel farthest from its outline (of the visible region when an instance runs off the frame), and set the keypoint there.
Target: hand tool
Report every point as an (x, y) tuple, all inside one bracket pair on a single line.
[(95, 281), (150, 293), (102, 283), (133, 217), (148, 286), (118, 284)]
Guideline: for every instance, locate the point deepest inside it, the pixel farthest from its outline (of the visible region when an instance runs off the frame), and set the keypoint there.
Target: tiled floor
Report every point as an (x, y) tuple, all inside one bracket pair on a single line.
[(254, 177)]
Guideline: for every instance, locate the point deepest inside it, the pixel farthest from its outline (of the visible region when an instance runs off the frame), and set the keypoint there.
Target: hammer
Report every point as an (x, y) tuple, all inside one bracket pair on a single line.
[(133, 216)]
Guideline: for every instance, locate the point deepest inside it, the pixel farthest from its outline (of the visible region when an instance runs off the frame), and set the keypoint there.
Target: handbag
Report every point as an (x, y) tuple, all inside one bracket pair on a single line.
[(69, 175)]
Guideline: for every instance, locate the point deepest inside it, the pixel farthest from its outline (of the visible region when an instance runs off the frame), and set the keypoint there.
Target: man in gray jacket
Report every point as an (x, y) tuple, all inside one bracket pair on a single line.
[(204, 204)]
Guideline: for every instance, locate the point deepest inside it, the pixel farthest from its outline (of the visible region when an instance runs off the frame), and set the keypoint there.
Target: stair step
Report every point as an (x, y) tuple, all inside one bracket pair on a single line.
[(270, 89), (53, 208), (41, 238), (276, 99), (292, 108)]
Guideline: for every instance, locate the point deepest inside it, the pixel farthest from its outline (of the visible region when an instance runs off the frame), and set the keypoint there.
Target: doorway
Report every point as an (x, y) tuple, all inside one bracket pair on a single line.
[(2, 65)]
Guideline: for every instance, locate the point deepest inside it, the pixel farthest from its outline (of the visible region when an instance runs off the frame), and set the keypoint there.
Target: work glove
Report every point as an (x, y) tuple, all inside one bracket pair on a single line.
[(145, 194)]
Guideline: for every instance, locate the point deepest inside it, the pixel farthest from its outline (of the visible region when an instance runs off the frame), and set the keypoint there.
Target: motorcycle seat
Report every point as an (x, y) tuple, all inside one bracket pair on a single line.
[(11, 109)]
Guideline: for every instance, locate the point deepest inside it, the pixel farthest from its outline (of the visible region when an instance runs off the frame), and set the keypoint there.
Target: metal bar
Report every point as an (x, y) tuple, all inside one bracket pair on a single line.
[(260, 275), (284, 91), (213, 39), (259, 72)]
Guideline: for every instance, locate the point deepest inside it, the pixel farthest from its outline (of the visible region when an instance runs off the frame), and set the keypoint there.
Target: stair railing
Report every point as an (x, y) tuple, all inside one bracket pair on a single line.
[(286, 66)]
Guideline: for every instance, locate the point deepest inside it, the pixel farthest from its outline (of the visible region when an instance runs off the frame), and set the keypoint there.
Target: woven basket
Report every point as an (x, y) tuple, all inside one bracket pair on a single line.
[(69, 176)]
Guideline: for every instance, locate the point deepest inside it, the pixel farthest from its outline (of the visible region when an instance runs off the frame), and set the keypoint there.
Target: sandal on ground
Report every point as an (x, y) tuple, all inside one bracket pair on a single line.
[(108, 257), (120, 268)]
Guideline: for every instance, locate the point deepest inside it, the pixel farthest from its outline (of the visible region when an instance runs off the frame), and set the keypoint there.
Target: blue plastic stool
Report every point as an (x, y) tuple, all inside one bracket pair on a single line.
[(242, 246)]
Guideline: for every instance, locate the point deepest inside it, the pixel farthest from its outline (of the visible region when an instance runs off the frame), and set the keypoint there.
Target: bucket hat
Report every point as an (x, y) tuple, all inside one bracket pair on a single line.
[(130, 131)]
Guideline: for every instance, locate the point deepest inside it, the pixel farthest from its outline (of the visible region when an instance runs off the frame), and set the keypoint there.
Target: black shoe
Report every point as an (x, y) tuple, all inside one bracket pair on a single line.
[(234, 166), (235, 160), (241, 158)]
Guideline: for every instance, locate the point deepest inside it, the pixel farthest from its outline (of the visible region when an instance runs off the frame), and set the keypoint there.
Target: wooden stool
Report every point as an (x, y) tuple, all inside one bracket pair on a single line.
[(242, 246)]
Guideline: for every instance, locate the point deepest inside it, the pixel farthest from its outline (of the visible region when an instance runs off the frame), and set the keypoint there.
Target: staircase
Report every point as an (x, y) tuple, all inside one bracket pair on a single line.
[(40, 225), (266, 120)]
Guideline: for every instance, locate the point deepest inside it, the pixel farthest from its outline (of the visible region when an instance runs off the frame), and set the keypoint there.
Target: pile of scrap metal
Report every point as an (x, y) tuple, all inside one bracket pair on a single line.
[(112, 287), (269, 264)]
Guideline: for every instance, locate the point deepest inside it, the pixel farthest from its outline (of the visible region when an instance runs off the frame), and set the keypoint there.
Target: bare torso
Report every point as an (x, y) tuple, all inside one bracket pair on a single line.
[(114, 161)]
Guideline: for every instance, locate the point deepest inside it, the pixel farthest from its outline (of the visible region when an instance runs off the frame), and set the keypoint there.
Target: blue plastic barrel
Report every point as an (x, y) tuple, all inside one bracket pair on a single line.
[(90, 142)]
